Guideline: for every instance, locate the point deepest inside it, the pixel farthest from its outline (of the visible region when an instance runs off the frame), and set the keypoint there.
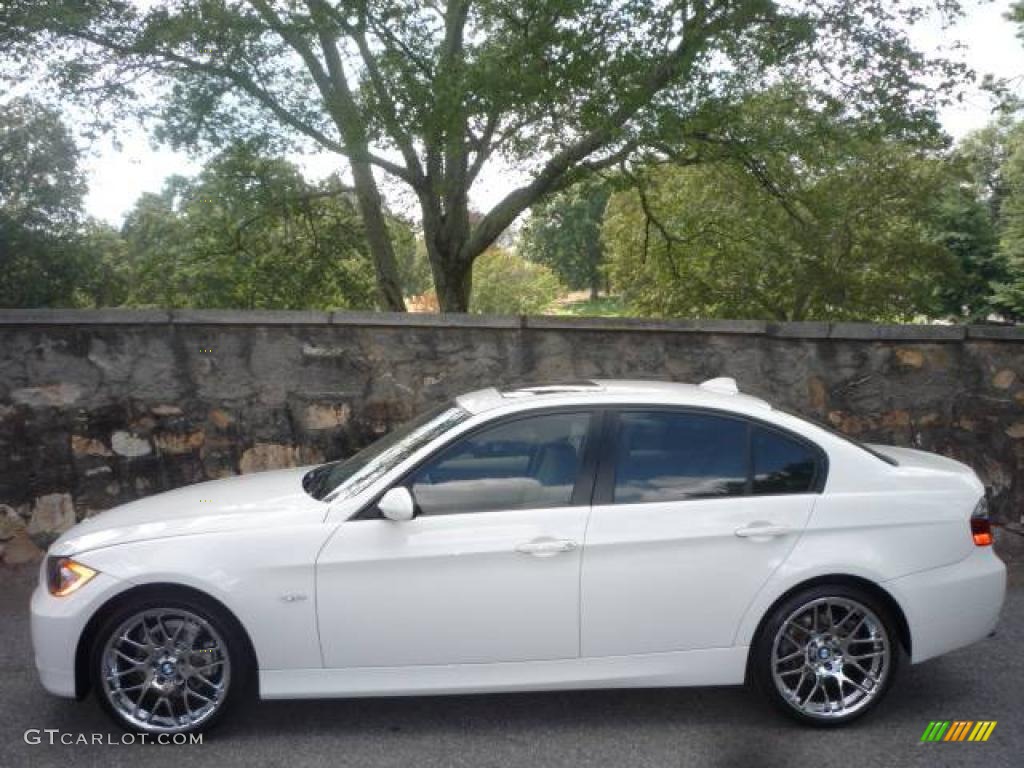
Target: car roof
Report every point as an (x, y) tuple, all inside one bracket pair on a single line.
[(714, 393)]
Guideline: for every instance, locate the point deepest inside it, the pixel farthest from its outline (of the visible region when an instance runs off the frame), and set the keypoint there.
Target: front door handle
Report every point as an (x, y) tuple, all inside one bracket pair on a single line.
[(762, 529), (546, 547)]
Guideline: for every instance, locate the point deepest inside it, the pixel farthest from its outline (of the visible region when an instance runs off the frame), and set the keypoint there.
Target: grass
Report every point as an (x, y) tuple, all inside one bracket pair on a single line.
[(603, 306)]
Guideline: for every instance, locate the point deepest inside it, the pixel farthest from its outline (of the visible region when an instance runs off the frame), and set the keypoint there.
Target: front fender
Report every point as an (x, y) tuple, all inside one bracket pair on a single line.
[(265, 578)]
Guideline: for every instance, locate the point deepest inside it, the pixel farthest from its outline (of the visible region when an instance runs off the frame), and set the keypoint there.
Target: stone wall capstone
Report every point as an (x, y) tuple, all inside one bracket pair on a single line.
[(99, 407)]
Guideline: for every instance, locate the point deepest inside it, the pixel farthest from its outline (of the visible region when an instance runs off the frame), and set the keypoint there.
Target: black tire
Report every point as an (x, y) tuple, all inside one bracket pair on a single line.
[(240, 667), (843, 663)]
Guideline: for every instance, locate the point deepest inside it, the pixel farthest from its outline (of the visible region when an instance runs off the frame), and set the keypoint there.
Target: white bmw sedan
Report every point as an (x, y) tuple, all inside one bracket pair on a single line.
[(594, 535)]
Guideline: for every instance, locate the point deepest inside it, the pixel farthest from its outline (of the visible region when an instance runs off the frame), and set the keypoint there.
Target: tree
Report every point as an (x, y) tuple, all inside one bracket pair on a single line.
[(966, 228), (431, 94), (1002, 146), (982, 156), (508, 284), (968, 214), (41, 190), (564, 232), (250, 232), (848, 237), (414, 269), (37, 268), (1016, 15), (107, 276), (982, 219), (1009, 291)]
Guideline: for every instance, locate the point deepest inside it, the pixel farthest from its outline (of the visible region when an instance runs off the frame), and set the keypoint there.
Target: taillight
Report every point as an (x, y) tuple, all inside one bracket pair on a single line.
[(981, 526), (981, 531)]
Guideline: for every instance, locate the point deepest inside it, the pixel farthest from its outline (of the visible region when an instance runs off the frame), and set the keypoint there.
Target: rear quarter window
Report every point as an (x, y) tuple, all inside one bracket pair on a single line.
[(781, 464)]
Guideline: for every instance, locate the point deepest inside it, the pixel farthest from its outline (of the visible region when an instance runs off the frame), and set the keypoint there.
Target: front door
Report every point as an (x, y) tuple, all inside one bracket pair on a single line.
[(488, 570)]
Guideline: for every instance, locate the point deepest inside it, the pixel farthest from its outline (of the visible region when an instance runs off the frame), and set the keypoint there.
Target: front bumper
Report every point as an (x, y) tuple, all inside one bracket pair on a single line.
[(953, 606), (57, 624)]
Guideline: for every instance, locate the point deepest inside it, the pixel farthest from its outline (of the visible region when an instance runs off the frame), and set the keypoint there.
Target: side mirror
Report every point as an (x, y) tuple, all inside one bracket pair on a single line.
[(397, 504)]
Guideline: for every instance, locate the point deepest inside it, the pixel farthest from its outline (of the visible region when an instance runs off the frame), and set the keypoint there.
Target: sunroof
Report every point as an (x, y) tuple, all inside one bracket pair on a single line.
[(583, 385)]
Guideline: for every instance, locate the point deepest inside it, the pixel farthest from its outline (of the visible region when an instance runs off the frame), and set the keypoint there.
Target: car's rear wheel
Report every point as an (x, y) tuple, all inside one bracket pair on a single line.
[(167, 665), (826, 655)]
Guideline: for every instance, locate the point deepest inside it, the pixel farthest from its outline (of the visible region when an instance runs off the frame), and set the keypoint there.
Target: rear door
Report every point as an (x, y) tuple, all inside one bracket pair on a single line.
[(693, 512)]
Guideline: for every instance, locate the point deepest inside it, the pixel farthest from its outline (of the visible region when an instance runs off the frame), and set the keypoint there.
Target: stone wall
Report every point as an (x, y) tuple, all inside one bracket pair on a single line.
[(100, 407)]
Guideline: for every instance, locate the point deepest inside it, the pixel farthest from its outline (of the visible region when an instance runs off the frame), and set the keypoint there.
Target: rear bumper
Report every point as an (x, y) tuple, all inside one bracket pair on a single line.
[(953, 606)]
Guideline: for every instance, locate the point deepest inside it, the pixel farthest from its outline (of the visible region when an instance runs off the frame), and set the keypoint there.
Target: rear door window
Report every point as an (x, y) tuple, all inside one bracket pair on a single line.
[(669, 456)]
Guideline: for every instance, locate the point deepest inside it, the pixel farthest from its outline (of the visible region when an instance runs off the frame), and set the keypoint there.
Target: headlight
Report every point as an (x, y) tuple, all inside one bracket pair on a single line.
[(64, 575)]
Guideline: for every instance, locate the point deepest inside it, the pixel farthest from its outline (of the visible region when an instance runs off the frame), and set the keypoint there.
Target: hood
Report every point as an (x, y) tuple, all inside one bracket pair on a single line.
[(262, 499)]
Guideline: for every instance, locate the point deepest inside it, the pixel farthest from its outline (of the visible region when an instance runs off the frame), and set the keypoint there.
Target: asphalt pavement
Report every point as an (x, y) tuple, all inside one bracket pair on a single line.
[(659, 728)]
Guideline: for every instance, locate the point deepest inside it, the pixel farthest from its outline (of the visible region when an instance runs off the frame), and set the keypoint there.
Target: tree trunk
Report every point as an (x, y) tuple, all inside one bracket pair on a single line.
[(446, 236), (453, 274), (454, 285), (594, 267), (389, 286)]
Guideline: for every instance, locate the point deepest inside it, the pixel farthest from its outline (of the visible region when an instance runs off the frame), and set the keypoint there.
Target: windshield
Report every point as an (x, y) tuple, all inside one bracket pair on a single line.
[(348, 477)]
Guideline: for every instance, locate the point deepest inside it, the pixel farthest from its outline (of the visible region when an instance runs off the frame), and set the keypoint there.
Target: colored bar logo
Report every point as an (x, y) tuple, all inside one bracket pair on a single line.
[(958, 730)]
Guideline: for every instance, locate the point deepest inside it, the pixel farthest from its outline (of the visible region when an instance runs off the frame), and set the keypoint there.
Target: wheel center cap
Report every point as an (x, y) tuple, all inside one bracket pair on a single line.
[(167, 668), (824, 653)]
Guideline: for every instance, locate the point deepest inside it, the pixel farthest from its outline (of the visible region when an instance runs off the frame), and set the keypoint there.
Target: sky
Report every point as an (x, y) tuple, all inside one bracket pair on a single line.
[(117, 176)]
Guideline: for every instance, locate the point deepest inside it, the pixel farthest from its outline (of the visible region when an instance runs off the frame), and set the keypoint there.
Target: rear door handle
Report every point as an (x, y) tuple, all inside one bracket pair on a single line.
[(762, 529), (546, 547)]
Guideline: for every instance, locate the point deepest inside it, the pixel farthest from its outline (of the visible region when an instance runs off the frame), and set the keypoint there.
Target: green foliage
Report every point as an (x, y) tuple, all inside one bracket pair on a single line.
[(604, 306), (982, 157), (432, 95), (564, 232), (839, 231), (1009, 292), (982, 216), (414, 269), (37, 269), (966, 227), (41, 185), (106, 278), (250, 232), (41, 189), (507, 284), (1016, 15)]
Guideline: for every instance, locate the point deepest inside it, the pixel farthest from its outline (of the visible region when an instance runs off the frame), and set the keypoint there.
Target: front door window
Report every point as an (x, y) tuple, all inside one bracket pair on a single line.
[(528, 463)]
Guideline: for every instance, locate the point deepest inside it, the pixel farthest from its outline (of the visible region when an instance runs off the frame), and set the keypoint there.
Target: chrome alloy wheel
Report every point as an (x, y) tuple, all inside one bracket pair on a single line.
[(831, 657), (165, 670)]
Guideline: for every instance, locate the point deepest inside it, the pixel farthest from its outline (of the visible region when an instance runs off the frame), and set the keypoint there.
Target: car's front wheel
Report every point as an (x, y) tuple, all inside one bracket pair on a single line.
[(163, 664), (827, 654)]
